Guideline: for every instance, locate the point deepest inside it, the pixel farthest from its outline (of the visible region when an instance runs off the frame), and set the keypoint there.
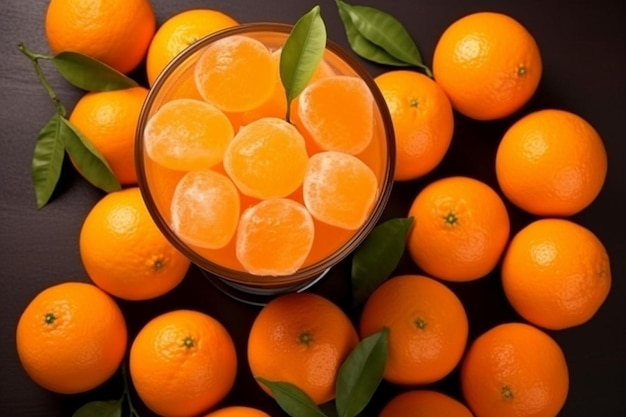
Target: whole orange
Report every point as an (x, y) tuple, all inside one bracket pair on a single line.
[(422, 119), (516, 370), (182, 363), (427, 324), (108, 120), (551, 163), (424, 403), (71, 337), (301, 338), (488, 64), (178, 32), (125, 253), (116, 32), (460, 231), (237, 411), (556, 273)]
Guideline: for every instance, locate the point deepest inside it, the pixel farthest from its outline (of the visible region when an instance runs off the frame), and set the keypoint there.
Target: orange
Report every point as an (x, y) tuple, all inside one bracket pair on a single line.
[(424, 403), (422, 119), (339, 189), (182, 363), (267, 158), (124, 252), (71, 337), (301, 338), (236, 73), (461, 229), (337, 112), (427, 324), (556, 273), (187, 134), (274, 226), (108, 120), (205, 209), (488, 64), (180, 31), (516, 370), (237, 411), (117, 32), (551, 163)]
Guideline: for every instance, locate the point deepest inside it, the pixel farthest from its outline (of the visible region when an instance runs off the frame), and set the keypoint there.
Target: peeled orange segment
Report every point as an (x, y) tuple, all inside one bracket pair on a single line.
[(339, 189), (187, 134), (267, 158), (274, 237), (276, 104), (236, 73), (338, 113), (205, 209)]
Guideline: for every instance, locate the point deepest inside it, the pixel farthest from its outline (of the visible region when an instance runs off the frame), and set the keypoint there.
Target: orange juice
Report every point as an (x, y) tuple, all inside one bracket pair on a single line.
[(251, 196)]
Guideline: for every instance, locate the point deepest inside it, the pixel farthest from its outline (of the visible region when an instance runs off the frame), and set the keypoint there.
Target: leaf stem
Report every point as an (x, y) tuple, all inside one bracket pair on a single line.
[(126, 394), (34, 58)]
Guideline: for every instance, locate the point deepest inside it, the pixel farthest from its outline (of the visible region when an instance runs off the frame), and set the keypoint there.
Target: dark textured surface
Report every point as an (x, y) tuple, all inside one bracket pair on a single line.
[(583, 44)]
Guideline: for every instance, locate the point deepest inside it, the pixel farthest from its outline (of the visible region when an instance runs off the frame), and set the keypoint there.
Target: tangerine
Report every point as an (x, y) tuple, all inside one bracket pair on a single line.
[(424, 403)]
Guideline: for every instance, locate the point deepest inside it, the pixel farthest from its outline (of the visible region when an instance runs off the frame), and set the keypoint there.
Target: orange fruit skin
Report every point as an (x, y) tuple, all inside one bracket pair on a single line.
[(302, 338), (182, 363), (125, 253), (551, 163), (427, 324), (556, 273), (515, 369), (424, 403), (108, 120), (237, 411), (460, 231), (71, 337), (423, 121), (180, 31), (488, 64), (117, 32)]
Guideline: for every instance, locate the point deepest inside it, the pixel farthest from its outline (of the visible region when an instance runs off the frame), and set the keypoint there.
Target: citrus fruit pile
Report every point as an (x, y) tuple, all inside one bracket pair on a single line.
[(555, 273)]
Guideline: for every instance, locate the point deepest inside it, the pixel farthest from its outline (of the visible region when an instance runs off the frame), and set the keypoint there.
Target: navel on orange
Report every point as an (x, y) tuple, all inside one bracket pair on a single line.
[(488, 64)]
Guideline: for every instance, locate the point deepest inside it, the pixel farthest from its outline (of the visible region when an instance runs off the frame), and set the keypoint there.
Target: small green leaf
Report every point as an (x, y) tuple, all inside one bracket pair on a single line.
[(88, 161), (292, 399), (379, 37), (47, 160), (89, 73), (111, 408), (302, 53), (377, 257), (361, 373)]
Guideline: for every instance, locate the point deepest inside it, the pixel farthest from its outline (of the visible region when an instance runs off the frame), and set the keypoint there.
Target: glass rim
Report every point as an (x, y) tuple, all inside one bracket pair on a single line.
[(240, 276)]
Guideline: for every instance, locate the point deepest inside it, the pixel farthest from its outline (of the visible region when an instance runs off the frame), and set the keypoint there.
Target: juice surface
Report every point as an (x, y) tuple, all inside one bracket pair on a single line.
[(326, 238)]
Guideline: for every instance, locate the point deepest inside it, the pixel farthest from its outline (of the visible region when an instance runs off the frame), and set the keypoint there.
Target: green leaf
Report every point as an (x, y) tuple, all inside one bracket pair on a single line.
[(376, 258), (361, 373), (89, 73), (302, 53), (379, 37), (292, 399), (111, 408), (87, 160), (47, 160)]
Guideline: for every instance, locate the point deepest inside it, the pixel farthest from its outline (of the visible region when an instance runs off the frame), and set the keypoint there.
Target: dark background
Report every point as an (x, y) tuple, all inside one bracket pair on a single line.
[(583, 45)]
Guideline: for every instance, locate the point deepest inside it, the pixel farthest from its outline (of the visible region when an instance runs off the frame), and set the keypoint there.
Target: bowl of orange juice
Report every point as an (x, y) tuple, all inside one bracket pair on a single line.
[(263, 200)]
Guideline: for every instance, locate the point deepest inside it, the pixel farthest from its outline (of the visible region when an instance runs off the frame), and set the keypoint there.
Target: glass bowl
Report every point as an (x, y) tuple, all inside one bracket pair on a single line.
[(174, 82)]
